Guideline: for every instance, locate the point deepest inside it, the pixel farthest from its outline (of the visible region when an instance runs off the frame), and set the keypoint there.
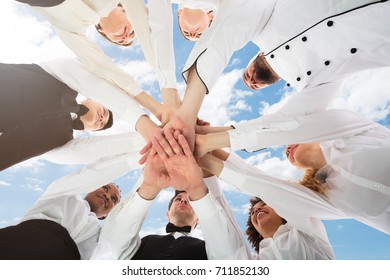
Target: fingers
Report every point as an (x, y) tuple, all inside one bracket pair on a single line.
[(159, 149), (172, 141), (146, 148), (143, 158), (184, 145), (164, 144), (176, 134)]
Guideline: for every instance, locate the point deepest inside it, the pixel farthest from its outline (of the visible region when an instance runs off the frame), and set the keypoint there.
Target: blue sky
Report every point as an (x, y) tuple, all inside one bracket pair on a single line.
[(30, 39)]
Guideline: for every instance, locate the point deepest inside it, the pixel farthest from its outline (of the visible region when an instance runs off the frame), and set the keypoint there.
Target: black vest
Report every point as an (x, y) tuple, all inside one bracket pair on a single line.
[(34, 112), (166, 247), (42, 3)]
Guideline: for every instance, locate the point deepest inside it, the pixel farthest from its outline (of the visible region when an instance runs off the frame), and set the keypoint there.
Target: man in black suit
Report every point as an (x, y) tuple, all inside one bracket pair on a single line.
[(178, 244), (38, 113)]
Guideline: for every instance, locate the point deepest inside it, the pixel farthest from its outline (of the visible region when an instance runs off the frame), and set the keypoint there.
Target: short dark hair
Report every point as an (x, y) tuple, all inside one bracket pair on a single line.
[(109, 122), (171, 201), (262, 71)]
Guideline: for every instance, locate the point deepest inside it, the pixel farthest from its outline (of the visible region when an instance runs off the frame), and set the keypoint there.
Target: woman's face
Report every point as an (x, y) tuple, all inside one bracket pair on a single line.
[(117, 27), (265, 217), (304, 156)]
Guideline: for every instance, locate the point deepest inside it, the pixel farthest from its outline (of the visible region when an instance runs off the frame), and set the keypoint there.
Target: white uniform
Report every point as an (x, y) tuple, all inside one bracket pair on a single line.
[(72, 18), (62, 203), (308, 43), (356, 175), (221, 233), (71, 72)]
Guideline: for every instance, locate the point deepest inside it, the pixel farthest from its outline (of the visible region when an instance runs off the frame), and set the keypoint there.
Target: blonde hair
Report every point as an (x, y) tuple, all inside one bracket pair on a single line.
[(309, 180)]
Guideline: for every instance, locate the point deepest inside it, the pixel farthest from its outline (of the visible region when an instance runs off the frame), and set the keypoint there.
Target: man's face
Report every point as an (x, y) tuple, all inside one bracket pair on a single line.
[(181, 210), (193, 22), (117, 27), (263, 216), (97, 116), (103, 199), (250, 77)]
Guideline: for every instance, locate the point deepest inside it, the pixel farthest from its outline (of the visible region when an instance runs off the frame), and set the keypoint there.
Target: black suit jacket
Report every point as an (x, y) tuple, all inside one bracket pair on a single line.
[(42, 3), (34, 112), (166, 247)]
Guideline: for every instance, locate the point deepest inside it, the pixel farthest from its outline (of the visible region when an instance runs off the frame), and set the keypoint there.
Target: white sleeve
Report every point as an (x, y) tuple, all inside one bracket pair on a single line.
[(299, 205), (85, 150), (280, 129), (222, 235), (122, 226), (235, 25), (98, 62), (93, 176), (161, 27), (76, 76)]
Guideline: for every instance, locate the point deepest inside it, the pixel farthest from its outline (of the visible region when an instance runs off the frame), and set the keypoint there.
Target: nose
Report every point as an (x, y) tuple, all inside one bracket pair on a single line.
[(183, 200), (107, 196)]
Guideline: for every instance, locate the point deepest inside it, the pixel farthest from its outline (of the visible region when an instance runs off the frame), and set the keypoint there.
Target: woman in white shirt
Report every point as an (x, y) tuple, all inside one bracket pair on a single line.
[(351, 161), (273, 238)]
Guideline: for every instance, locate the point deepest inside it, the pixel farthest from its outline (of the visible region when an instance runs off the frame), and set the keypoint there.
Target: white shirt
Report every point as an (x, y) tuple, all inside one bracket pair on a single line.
[(72, 18), (357, 173), (86, 150), (289, 243), (62, 203), (304, 36), (304, 236), (160, 21), (235, 25), (272, 130), (122, 226), (71, 72), (271, 23)]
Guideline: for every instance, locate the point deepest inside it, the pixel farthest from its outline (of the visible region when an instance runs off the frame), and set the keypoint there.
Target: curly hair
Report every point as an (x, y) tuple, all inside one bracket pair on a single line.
[(254, 237), (310, 181)]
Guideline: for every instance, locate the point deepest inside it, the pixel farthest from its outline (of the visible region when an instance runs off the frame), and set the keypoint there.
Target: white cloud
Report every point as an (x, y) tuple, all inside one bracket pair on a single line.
[(366, 92), (35, 164), (165, 196), (33, 184), (142, 73), (275, 166), (4, 184), (245, 208), (220, 97), (21, 32)]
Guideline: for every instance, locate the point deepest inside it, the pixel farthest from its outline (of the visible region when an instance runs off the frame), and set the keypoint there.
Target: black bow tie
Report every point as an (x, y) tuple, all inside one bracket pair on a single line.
[(172, 228)]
